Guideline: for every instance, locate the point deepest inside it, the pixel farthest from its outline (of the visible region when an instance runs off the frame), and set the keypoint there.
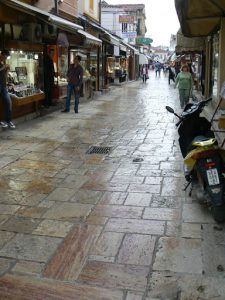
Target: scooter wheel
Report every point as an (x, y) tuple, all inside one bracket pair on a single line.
[(219, 213)]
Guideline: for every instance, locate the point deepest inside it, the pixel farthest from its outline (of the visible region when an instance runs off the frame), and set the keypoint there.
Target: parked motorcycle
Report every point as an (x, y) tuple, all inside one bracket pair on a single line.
[(203, 158)]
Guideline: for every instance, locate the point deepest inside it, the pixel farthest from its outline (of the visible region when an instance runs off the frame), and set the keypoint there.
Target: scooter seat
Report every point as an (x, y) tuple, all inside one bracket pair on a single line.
[(201, 141)]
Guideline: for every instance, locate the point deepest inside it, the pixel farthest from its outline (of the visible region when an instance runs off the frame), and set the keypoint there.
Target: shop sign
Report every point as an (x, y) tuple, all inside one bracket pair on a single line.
[(130, 34), (126, 19), (143, 41)]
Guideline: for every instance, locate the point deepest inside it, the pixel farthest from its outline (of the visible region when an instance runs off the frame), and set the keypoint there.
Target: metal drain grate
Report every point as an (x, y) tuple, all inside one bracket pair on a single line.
[(99, 150)]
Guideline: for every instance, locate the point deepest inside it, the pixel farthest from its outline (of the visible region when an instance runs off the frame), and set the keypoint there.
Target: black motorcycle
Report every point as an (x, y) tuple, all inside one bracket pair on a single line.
[(203, 158)]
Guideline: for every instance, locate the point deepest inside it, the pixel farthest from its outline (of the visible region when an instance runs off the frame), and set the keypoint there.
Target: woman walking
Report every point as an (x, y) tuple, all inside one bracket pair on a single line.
[(185, 83)]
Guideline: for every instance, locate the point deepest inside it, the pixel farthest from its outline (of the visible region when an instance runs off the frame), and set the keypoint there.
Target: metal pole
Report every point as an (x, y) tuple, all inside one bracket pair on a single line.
[(56, 8)]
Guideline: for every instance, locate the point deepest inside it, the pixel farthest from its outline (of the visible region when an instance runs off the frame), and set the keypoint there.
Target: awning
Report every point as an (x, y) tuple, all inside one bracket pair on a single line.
[(187, 44), (90, 39), (112, 39), (143, 59), (41, 14), (108, 36), (123, 48), (200, 17), (130, 47)]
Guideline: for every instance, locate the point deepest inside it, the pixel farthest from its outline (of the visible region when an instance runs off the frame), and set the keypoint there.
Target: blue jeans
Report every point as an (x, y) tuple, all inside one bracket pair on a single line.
[(184, 97), (7, 103), (71, 88)]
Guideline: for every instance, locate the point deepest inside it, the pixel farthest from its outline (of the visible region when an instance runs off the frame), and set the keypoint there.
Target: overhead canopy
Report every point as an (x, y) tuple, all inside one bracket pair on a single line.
[(37, 12), (143, 59), (187, 44), (200, 17), (90, 39)]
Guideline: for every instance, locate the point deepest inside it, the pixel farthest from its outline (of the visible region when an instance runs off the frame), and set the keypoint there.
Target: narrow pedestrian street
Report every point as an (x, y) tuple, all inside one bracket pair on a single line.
[(114, 226)]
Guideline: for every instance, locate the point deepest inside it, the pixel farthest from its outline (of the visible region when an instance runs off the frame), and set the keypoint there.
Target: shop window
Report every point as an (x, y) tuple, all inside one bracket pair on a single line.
[(60, 60), (111, 65), (84, 62), (25, 75)]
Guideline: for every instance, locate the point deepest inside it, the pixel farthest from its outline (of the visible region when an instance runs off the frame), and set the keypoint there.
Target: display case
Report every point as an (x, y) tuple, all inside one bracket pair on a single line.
[(24, 80), (110, 67)]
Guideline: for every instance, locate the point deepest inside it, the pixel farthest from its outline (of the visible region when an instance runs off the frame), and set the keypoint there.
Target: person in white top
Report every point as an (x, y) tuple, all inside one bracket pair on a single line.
[(144, 73)]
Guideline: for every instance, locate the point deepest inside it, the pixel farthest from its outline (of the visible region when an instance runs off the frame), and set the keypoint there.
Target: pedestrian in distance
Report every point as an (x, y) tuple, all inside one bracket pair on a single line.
[(75, 80), (144, 72), (185, 83), (157, 68), (171, 75), (49, 74), (4, 69)]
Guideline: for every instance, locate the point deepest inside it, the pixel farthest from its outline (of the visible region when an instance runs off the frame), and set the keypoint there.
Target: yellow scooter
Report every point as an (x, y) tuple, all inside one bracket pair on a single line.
[(203, 158)]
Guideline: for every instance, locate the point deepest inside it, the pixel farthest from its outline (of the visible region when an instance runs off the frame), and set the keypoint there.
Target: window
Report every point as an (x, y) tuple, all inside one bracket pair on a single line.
[(124, 27)]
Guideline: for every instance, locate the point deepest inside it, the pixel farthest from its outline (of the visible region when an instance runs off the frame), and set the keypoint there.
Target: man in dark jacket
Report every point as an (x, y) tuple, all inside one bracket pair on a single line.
[(75, 80), (49, 73)]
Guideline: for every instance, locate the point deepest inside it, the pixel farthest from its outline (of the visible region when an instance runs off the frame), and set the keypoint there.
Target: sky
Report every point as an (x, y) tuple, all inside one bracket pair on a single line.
[(161, 19)]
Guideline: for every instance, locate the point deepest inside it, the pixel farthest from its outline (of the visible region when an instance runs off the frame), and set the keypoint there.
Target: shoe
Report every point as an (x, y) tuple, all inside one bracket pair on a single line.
[(11, 125), (76, 112), (3, 124), (65, 111)]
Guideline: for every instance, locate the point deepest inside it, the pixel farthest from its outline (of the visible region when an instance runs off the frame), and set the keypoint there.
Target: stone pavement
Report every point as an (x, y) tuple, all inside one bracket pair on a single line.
[(105, 227)]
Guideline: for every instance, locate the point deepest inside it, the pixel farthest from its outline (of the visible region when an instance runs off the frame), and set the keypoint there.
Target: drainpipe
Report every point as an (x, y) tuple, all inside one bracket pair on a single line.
[(100, 11), (56, 8)]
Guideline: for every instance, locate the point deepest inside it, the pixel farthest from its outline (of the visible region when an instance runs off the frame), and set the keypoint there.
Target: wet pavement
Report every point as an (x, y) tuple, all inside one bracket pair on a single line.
[(105, 227)]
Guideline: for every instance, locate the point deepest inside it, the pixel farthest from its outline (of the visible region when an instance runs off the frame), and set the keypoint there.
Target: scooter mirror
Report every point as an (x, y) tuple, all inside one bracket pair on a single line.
[(170, 109)]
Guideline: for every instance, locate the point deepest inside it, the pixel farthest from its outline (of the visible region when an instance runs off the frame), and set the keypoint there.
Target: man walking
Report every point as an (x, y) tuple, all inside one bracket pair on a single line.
[(4, 69), (75, 80)]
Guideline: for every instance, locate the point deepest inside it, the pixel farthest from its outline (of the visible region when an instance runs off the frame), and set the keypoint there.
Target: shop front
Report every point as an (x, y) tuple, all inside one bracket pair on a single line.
[(25, 78), (198, 19), (23, 33), (88, 49)]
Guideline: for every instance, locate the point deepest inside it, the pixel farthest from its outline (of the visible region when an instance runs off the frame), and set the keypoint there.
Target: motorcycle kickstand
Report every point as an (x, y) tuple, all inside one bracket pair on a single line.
[(187, 187)]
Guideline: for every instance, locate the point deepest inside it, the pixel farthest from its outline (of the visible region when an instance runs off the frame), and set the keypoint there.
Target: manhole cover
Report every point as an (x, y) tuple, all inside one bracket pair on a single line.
[(99, 150)]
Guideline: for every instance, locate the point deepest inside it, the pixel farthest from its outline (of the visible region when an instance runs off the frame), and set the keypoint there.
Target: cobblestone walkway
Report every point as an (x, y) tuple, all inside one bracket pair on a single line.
[(105, 227)]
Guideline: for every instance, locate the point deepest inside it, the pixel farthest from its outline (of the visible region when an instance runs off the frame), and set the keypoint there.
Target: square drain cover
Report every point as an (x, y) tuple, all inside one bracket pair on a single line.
[(99, 150)]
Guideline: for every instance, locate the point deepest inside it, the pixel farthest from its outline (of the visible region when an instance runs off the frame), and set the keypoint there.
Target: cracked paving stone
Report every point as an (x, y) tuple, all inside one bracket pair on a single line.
[(30, 247), (108, 244), (5, 237), (137, 249), (20, 224)]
